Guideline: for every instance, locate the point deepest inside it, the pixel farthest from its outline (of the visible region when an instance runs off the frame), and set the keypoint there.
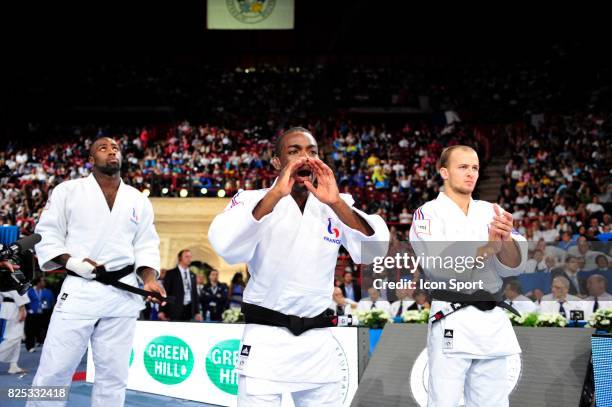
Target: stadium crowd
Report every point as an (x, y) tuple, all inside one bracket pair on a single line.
[(388, 172), (556, 181)]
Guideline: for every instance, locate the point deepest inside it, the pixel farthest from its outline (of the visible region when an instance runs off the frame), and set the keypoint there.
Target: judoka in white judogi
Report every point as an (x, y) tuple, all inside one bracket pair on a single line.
[(467, 349), (291, 256), (78, 221), (11, 328)]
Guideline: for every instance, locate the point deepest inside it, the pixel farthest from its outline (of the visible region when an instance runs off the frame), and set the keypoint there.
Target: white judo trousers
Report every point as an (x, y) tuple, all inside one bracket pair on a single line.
[(12, 332), (66, 342), (324, 395), (482, 382), (10, 345)]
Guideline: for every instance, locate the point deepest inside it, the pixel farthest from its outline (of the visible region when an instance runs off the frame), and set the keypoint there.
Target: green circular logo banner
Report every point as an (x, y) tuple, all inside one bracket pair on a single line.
[(250, 11), (220, 363), (131, 357), (168, 359)]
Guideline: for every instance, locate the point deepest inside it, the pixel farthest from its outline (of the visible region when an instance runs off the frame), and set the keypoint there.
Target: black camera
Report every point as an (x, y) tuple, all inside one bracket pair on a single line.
[(19, 253)]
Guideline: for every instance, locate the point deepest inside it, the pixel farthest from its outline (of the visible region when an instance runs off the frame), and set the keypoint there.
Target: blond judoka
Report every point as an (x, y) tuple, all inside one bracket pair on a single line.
[(468, 348)]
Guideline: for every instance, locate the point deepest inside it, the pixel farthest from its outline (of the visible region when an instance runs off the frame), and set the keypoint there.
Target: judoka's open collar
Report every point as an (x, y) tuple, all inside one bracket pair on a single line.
[(449, 203), (91, 178)]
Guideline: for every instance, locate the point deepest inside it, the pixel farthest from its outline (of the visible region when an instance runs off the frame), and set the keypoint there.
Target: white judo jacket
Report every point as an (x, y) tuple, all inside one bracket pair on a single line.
[(476, 334), (10, 310), (77, 221), (291, 258)]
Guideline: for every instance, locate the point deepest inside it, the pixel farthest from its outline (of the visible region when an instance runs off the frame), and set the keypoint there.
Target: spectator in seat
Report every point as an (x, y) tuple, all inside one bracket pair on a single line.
[(515, 298), (421, 301), (594, 207), (214, 297), (350, 288), (570, 272), (537, 295), (602, 263), (559, 301), (341, 305), (582, 249), (373, 301), (599, 297), (236, 290), (536, 264), (403, 303)]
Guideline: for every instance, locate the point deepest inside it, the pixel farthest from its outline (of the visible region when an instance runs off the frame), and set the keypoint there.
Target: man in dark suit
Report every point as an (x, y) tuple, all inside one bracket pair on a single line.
[(181, 283), (570, 272), (350, 289), (214, 297)]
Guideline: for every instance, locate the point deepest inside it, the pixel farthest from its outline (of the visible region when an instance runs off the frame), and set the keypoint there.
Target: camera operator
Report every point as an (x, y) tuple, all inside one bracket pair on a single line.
[(6, 264)]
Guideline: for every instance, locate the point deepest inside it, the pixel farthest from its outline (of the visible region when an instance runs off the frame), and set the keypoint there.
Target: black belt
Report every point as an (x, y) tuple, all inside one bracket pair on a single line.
[(8, 300), (481, 299), (113, 277), (255, 314)]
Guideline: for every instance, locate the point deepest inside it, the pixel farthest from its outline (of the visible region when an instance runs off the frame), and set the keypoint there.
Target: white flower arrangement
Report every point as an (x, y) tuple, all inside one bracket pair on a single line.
[(374, 318), (232, 316), (601, 320), (416, 317), (551, 320), (515, 319)]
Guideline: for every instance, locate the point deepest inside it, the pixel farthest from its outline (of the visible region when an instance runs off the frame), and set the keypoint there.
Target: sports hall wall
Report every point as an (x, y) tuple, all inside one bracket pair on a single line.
[(182, 223)]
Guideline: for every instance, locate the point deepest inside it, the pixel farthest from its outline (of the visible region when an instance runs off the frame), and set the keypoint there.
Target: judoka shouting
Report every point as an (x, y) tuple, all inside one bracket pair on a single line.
[(467, 344), (90, 222), (289, 235)]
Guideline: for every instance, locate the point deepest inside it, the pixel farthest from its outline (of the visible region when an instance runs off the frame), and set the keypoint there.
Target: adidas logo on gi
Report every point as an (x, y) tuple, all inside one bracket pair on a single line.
[(60, 302), (448, 339), (246, 349)]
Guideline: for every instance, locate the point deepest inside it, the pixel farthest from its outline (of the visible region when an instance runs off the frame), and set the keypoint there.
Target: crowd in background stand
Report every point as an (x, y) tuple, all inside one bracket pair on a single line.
[(556, 181)]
